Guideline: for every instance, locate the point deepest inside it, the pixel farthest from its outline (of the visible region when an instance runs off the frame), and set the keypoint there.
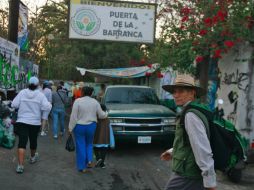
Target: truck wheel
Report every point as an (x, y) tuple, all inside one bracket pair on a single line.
[(235, 175)]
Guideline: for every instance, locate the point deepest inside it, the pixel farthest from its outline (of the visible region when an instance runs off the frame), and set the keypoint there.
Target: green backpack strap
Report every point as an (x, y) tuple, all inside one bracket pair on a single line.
[(203, 119), (202, 112)]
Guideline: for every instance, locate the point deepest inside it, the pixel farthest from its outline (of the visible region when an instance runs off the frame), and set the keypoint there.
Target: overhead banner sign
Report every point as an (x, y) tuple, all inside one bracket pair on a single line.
[(23, 27), (113, 21), (132, 72)]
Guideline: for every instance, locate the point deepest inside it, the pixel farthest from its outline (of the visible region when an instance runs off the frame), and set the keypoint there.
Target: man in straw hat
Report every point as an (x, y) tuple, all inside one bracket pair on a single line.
[(192, 158)]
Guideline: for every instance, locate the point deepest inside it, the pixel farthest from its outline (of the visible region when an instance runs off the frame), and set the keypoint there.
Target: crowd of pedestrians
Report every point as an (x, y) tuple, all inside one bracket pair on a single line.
[(36, 104)]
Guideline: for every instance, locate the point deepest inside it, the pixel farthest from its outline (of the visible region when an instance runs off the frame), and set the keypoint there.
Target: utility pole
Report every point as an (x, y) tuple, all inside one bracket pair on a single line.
[(13, 20)]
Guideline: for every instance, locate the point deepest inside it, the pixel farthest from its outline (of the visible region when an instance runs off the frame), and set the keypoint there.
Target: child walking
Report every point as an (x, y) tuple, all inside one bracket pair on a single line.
[(103, 140)]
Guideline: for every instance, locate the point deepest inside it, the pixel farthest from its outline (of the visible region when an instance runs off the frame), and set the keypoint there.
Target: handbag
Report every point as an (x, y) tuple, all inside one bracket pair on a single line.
[(70, 146)]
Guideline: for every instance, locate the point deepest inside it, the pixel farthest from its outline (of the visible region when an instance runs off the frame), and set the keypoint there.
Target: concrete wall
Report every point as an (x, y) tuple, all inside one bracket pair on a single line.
[(236, 88)]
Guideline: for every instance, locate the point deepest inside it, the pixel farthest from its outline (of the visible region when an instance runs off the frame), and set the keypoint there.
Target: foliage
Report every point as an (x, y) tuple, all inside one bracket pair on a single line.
[(197, 29), (3, 23)]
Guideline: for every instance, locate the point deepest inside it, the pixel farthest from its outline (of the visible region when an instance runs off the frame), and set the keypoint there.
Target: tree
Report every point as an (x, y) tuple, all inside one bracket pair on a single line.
[(58, 56), (202, 30), (4, 23)]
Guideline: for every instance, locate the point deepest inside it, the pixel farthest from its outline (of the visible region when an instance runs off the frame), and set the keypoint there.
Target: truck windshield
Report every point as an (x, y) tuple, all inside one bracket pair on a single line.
[(131, 96)]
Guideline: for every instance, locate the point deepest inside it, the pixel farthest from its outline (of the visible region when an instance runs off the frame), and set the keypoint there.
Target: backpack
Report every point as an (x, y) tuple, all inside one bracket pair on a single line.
[(228, 146)]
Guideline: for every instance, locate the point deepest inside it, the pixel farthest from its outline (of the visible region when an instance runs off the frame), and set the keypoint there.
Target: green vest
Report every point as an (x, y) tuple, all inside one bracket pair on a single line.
[(183, 158)]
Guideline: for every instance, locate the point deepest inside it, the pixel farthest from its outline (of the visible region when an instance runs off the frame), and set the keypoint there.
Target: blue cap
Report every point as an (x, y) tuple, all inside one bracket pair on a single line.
[(46, 82), (34, 81)]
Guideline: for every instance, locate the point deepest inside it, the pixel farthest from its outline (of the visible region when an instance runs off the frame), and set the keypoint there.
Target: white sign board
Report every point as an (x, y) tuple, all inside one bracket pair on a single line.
[(114, 21)]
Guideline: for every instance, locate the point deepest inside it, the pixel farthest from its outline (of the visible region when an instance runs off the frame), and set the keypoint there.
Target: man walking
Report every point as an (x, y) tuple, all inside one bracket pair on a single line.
[(192, 158)]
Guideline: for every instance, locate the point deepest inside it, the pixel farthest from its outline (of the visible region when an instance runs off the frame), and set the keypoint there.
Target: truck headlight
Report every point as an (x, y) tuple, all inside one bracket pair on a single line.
[(168, 128), (116, 120), (168, 121), (117, 128)]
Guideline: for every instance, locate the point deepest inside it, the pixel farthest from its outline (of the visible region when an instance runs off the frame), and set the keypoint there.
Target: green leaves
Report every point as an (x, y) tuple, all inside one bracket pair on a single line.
[(90, 26), (80, 25)]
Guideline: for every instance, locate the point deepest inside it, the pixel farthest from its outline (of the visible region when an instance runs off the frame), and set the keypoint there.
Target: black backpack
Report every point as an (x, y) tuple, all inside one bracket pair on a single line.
[(229, 147)]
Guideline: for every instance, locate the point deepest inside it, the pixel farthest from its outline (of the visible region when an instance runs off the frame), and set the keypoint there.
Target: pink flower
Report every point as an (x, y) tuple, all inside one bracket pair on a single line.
[(185, 18), (185, 11), (217, 53), (159, 75), (202, 32), (199, 59), (221, 15), (229, 43), (208, 22)]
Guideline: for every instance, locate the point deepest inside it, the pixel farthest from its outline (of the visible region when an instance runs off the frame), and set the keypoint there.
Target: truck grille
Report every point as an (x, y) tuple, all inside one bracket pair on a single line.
[(142, 128), (143, 121)]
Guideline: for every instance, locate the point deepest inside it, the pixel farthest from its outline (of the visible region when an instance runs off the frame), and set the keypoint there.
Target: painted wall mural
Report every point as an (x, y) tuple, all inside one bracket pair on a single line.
[(14, 71), (234, 86), (9, 64)]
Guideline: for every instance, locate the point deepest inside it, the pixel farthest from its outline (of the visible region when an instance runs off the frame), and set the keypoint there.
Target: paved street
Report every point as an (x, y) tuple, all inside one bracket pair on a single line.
[(129, 167)]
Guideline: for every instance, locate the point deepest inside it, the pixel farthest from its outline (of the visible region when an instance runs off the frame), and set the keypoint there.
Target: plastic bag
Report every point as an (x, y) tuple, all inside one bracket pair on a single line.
[(8, 141), (70, 146)]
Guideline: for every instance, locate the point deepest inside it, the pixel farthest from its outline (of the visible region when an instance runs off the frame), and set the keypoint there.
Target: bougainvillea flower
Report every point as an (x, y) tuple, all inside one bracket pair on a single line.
[(185, 18), (221, 15), (199, 59), (208, 22), (159, 75), (215, 19), (202, 32), (185, 11), (182, 27), (150, 66), (217, 53), (229, 43)]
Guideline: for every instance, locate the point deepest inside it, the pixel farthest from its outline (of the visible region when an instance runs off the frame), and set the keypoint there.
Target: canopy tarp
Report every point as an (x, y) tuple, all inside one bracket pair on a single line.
[(131, 72)]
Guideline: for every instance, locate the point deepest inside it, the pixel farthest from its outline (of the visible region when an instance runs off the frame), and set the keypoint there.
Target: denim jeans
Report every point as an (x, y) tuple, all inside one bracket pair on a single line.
[(58, 113)]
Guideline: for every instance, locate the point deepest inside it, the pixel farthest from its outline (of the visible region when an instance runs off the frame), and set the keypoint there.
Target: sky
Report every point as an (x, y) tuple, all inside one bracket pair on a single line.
[(31, 4)]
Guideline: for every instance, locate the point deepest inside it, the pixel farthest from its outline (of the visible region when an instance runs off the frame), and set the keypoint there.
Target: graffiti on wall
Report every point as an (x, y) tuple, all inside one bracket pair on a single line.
[(8, 74), (9, 63), (238, 78), (233, 99), (14, 72)]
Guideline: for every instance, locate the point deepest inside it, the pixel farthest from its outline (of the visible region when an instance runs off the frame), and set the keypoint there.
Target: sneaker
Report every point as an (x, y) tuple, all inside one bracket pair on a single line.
[(20, 169), (98, 163), (90, 165), (103, 165), (43, 133), (34, 159), (55, 136)]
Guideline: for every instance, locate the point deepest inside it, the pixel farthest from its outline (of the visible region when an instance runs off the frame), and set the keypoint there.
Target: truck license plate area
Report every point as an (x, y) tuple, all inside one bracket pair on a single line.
[(144, 139)]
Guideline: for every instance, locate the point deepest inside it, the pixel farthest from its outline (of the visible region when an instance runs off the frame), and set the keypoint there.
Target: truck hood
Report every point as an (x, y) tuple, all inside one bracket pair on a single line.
[(139, 110)]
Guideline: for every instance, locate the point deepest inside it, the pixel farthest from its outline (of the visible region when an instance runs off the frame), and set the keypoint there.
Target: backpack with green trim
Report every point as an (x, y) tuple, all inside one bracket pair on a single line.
[(228, 146)]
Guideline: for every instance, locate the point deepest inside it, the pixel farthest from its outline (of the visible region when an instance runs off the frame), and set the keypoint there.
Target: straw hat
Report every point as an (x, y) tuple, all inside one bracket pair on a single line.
[(186, 81)]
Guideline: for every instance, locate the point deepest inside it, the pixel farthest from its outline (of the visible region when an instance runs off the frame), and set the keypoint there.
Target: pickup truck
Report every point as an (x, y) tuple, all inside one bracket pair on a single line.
[(136, 115)]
